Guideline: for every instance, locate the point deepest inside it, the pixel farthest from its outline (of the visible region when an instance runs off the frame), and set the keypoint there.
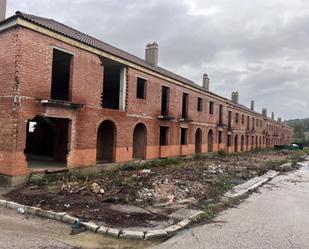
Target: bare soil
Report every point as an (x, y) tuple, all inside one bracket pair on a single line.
[(190, 181)]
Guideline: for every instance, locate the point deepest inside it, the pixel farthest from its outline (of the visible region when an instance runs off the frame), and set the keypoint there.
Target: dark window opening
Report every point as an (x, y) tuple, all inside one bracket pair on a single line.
[(111, 84), (165, 100), (236, 117), (164, 135), (185, 97), (141, 88), (184, 136), (199, 104), (61, 74), (248, 123), (230, 120), (253, 123), (220, 137), (243, 119), (211, 107), (229, 140), (221, 114)]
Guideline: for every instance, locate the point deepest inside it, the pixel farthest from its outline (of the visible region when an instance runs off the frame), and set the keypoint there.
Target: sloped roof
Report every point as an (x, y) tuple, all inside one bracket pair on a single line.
[(95, 43), (74, 34)]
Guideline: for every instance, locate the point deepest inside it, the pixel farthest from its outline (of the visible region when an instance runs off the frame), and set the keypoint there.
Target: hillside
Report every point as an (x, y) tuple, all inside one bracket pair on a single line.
[(299, 122)]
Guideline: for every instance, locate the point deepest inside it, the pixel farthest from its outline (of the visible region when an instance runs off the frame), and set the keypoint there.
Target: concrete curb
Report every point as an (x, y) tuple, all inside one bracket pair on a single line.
[(138, 235), (251, 185)]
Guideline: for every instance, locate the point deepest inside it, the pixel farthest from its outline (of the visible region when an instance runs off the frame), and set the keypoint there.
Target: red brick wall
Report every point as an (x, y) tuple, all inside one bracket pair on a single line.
[(27, 56)]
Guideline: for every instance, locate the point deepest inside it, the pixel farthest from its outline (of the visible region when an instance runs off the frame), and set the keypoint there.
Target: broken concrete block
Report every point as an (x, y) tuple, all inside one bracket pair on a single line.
[(91, 226), (59, 216), (173, 229), (102, 230), (113, 232), (126, 234), (3, 203), (69, 219), (184, 223), (155, 234)]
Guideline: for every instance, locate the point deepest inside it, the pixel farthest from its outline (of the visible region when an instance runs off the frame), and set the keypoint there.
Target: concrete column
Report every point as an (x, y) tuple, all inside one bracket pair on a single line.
[(2, 9)]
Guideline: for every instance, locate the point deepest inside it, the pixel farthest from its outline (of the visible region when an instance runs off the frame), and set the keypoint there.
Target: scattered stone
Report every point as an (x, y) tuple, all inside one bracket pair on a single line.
[(95, 188), (146, 171)]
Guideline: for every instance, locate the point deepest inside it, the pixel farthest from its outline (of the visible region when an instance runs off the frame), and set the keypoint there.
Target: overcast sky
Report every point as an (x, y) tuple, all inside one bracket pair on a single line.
[(257, 47)]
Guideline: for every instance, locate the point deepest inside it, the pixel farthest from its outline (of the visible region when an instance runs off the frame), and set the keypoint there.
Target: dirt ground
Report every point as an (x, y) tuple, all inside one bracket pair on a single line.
[(157, 189)]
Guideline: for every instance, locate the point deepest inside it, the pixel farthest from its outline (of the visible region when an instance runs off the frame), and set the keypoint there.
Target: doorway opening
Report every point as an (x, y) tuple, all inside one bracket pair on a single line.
[(47, 142), (139, 141), (106, 138)]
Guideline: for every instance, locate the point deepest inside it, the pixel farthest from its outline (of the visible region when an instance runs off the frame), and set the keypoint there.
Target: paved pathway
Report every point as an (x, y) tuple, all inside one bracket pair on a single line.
[(275, 217)]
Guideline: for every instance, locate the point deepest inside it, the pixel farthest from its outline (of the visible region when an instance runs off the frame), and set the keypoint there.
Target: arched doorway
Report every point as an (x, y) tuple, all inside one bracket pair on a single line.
[(106, 138), (198, 141), (139, 141), (210, 141), (242, 143), (236, 143)]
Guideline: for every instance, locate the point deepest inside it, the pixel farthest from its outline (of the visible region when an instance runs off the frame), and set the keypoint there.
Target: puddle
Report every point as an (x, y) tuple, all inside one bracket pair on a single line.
[(89, 240)]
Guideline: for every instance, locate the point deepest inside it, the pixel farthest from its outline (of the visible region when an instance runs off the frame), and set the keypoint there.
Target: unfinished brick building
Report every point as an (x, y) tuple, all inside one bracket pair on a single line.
[(72, 100)]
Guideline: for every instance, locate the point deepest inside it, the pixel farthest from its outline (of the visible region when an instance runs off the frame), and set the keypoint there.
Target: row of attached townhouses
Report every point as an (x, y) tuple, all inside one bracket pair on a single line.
[(71, 100)]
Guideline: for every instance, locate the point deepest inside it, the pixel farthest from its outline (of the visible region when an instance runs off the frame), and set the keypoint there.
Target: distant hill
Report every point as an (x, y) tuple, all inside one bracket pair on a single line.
[(299, 122)]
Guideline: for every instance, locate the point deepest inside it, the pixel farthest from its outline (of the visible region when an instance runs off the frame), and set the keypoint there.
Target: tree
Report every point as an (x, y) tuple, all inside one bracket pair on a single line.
[(299, 135)]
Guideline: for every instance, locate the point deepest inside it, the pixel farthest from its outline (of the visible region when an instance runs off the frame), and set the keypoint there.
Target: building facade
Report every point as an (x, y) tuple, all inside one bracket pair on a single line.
[(71, 99)]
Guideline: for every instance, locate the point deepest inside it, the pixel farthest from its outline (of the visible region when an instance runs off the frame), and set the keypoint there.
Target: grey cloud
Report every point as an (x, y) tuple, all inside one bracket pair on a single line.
[(259, 48)]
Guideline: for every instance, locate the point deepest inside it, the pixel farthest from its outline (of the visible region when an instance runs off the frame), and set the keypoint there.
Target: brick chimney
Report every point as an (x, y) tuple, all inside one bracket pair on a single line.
[(152, 54), (252, 105), (2, 10), (235, 97), (206, 81), (264, 112)]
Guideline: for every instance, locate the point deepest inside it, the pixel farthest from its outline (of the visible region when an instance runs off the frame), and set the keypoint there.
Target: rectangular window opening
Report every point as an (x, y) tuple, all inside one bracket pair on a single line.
[(184, 136), (61, 75), (211, 107), (113, 84), (220, 137), (141, 88), (236, 118), (229, 140), (164, 135), (185, 97), (165, 100), (199, 104)]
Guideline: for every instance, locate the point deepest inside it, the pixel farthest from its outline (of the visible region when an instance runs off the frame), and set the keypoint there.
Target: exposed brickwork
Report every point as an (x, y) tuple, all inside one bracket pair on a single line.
[(25, 79)]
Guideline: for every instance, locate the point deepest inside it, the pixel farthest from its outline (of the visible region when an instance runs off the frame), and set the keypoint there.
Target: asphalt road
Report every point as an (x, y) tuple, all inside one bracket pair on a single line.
[(277, 216)]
